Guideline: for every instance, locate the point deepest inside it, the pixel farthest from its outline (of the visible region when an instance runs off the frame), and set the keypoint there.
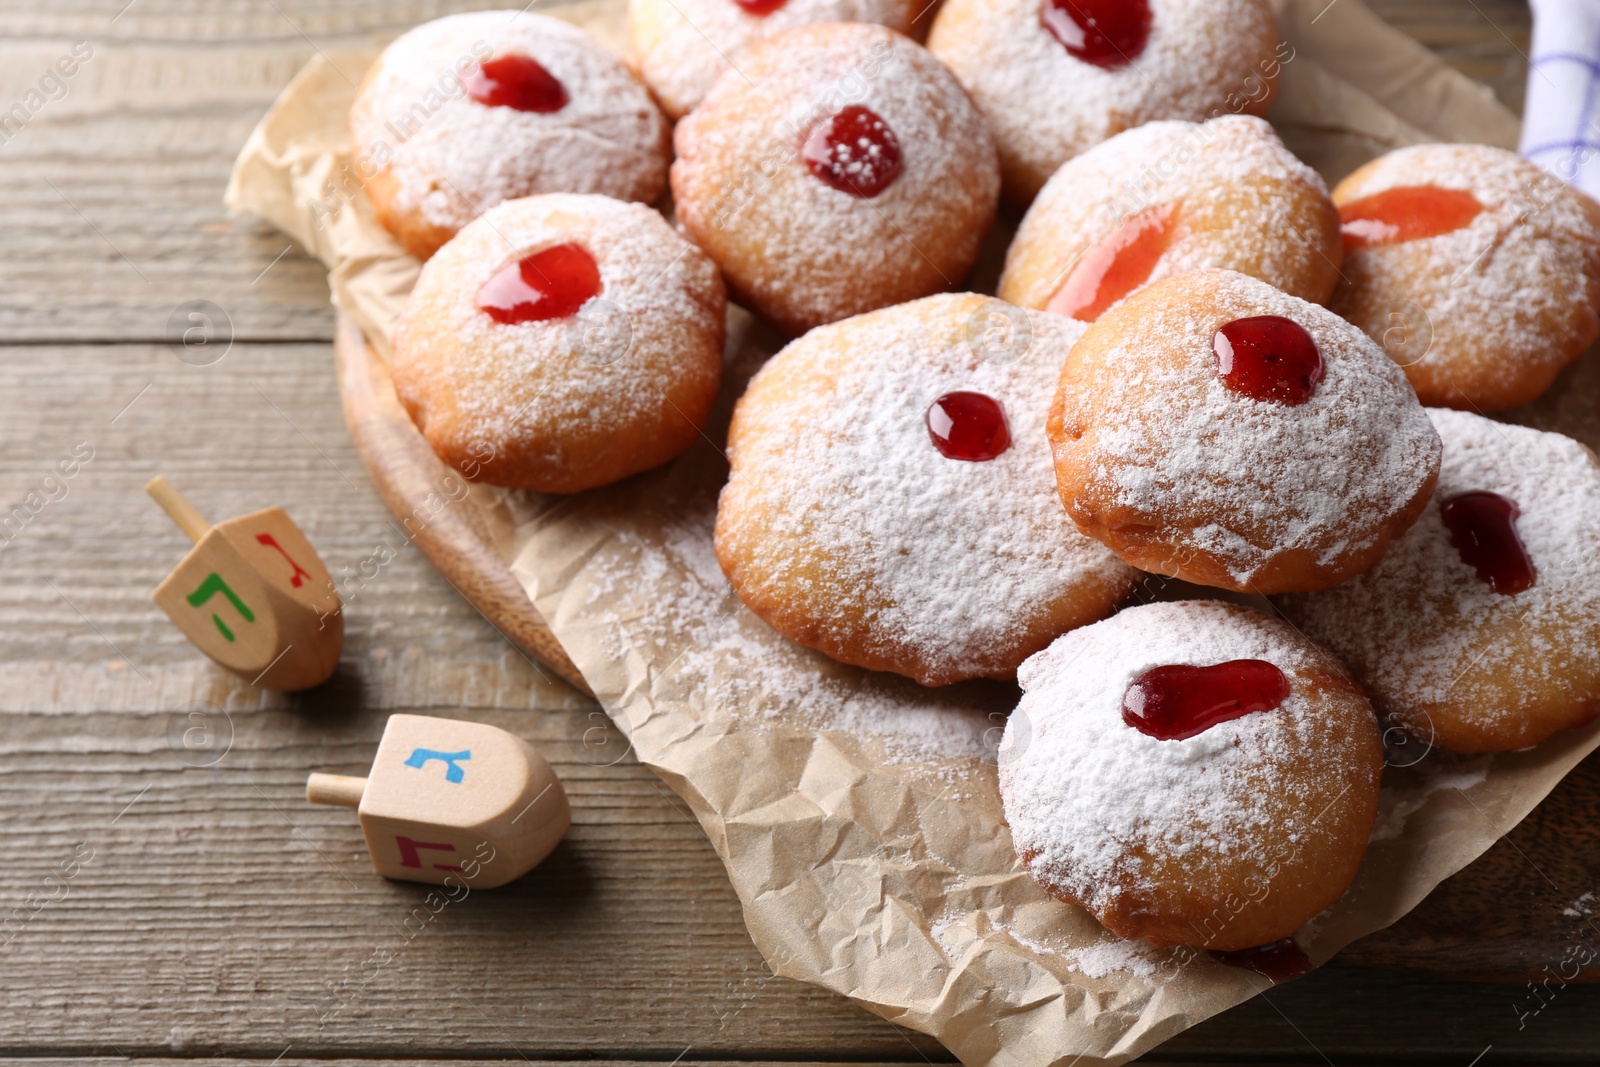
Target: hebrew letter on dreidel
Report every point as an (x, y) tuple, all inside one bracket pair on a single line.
[(452, 773), (409, 853), (300, 573), (209, 588)]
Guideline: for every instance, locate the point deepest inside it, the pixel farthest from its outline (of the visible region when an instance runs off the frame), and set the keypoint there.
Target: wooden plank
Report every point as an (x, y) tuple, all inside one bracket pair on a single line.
[(1450, 27), (214, 913), (1484, 39)]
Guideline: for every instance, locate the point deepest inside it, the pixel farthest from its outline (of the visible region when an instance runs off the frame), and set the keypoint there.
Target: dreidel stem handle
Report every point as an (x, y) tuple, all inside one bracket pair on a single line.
[(341, 789), (180, 510)]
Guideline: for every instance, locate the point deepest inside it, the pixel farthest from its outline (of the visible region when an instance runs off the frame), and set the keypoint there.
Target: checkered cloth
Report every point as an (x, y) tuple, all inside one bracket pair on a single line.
[(1561, 121)]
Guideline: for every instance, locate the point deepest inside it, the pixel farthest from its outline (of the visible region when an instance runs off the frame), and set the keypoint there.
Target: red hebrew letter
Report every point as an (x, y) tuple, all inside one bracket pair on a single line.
[(299, 571), (410, 858)]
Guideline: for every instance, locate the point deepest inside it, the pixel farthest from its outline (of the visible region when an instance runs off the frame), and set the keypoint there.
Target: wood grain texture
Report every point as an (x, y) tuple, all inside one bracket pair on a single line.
[(215, 919)]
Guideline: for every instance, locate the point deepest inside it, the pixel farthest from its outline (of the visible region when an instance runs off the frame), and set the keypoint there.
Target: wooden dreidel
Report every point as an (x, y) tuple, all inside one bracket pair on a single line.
[(452, 802), (253, 595)]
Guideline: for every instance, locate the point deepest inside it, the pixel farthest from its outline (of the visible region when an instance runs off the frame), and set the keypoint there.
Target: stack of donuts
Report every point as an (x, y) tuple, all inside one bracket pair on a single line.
[(1200, 367)]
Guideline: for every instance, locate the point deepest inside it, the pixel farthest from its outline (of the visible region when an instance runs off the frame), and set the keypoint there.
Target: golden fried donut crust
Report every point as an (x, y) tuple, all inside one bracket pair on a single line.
[(1485, 317), (433, 159), (844, 528), (1158, 459), (1443, 655), (1203, 58), (680, 47), (797, 251), (567, 404), (1226, 840), (1238, 200)]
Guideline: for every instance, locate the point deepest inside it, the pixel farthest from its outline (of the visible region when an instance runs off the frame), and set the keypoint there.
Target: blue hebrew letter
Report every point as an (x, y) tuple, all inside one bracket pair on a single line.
[(452, 773)]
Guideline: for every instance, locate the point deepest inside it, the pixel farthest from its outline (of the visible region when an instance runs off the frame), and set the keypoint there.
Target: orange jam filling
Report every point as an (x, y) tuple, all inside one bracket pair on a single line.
[(1115, 267), (1405, 213)]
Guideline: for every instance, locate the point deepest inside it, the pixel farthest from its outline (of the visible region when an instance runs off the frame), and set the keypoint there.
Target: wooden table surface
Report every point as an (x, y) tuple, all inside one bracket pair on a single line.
[(171, 902)]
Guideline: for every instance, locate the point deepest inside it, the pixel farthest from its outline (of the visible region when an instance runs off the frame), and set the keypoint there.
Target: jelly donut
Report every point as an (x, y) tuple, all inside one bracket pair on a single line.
[(1479, 631), (561, 342), (840, 169), (1214, 429), (1055, 77), (1474, 269), (890, 501), (1170, 197), (468, 111), (1192, 773), (680, 47)]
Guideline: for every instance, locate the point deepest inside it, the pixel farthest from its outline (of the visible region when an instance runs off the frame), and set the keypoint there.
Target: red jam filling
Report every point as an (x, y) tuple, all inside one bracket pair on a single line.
[(760, 8), (1405, 213), (854, 151), (1106, 33), (1277, 962), (1268, 357), (1178, 701), (968, 426), (515, 81), (1483, 527), (550, 284), (1115, 267)]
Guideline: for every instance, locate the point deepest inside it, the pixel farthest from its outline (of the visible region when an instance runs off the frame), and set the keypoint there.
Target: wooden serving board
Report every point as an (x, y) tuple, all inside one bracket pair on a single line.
[(1520, 912)]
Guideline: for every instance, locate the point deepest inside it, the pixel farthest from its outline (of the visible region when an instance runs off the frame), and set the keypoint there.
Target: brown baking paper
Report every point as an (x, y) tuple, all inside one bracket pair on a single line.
[(858, 814)]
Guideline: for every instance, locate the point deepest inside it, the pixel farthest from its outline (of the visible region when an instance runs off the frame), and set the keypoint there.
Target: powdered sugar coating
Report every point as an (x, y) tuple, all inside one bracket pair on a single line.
[(1133, 827), (843, 526), (451, 158), (1242, 202), (793, 248), (1156, 455), (1439, 650), (681, 47), (1485, 316), (566, 403), (1202, 58)]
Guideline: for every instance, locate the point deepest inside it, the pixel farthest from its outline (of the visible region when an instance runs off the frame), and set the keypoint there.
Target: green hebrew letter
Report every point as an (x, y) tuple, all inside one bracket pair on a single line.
[(211, 587)]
